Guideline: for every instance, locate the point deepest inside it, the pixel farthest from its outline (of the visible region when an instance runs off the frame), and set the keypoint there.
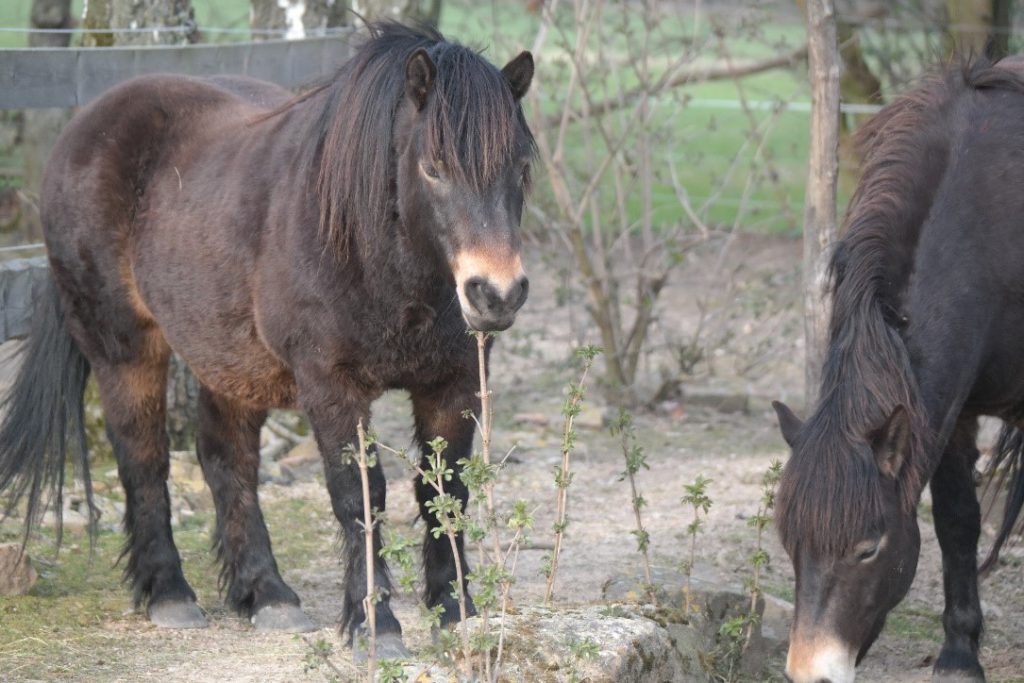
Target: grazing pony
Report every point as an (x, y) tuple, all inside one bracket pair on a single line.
[(924, 338), (308, 252)]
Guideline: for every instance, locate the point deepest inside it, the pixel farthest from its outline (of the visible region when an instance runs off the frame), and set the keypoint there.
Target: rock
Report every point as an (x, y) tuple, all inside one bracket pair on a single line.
[(714, 601), (303, 461), (17, 576), (596, 644), (187, 476), (776, 620), (189, 489), (538, 419), (185, 456), (722, 400), (591, 417), (272, 472), (274, 448)]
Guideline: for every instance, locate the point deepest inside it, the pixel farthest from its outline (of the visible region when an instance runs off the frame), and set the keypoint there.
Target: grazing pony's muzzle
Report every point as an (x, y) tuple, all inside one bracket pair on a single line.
[(819, 659)]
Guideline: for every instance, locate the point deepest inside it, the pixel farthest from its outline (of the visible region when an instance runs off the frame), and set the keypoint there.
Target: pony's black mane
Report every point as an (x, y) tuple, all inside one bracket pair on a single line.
[(474, 125), (830, 493)]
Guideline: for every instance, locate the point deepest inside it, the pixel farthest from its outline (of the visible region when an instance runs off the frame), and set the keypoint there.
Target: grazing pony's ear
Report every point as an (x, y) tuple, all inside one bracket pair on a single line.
[(789, 423), (890, 442), (519, 74), (420, 73)]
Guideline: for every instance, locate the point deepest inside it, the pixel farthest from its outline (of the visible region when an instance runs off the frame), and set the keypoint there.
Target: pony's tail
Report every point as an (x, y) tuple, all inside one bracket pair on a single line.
[(43, 419), (1005, 472)]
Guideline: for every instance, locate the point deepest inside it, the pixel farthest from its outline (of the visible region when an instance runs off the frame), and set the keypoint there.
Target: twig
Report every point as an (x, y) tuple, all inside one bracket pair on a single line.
[(563, 474), (369, 602)]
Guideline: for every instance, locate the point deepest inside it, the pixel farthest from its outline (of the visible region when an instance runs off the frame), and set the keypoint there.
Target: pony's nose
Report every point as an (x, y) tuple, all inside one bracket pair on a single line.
[(493, 309)]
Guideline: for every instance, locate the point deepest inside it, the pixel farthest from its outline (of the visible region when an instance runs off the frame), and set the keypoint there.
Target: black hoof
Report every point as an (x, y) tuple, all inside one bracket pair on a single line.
[(177, 614), (283, 618), (956, 666), (389, 646)]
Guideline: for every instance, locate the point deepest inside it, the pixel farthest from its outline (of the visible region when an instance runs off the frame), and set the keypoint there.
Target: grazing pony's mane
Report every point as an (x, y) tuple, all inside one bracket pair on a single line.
[(473, 125), (830, 492)]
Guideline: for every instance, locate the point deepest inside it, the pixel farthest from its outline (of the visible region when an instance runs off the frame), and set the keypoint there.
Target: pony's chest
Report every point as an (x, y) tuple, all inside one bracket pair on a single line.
[(403, 356)]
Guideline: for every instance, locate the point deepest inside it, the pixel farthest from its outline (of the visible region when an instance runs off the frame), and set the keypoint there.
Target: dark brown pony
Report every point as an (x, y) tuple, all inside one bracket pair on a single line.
[(310, 252), (924, 338)]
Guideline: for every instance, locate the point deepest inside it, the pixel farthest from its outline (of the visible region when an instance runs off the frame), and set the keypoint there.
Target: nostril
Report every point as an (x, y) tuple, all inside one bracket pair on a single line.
[(517, 293), (481, 294)]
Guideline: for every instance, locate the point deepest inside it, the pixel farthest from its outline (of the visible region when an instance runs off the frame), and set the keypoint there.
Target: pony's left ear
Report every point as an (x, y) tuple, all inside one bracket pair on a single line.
[(891, 441), (789, 423), (420, 73), (519, 74)]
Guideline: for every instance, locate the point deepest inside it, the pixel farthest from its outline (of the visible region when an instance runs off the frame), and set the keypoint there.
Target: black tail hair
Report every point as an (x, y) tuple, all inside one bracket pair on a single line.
[(44, 419), (1006, 470)]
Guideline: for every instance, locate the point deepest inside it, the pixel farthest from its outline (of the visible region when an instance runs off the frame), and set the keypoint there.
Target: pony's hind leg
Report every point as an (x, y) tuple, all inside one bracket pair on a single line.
[(958, 525), (134, 409), (228, 442)]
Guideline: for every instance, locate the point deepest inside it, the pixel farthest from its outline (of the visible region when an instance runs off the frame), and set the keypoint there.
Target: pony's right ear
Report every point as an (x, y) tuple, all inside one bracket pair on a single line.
[(789, 423), (420, 73)]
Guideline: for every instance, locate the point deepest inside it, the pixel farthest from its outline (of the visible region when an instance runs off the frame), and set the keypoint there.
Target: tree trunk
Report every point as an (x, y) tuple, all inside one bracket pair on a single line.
[(820, 227), (297, 17), (41, 125), (97, 21), (1002, 23), (413, 11), (140, 14), (970, 25)]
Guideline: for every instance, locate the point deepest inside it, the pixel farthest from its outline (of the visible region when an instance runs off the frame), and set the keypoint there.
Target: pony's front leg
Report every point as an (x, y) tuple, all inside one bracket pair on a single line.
[(957, 525), (334, 416), (439, 412)]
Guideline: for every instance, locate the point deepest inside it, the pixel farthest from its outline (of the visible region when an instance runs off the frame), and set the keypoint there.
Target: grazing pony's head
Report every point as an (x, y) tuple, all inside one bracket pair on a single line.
[(427, 144)]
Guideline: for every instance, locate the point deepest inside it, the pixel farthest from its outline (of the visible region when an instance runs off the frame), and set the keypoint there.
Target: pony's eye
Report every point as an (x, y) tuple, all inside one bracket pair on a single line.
[(430, 169), (867, 553)]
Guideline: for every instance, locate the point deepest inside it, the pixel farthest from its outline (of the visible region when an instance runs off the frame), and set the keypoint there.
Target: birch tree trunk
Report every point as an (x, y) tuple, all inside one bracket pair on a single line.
[(299, 18), (820, 225), (414, 11), (138, 14)]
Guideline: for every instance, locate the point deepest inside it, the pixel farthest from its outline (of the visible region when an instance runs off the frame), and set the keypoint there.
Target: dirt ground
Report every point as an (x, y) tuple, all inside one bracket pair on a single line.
[(78, 624)]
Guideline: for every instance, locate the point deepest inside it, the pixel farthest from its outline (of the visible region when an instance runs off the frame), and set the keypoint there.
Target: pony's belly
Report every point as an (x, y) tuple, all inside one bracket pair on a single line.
[(252, 377)]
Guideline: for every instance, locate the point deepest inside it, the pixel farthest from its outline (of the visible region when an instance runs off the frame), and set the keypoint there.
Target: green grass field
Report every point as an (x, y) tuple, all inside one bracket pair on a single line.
[(701, 139)]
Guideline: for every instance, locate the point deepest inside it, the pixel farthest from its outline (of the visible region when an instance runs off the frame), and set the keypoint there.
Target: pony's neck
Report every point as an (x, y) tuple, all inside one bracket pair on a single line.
[(397, 272)]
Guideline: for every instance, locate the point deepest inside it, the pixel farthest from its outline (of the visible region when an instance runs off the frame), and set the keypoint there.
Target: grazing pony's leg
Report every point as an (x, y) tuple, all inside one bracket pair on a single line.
[(957, 525), (134, 410), (439, 412), (334, 416), (228, 444)]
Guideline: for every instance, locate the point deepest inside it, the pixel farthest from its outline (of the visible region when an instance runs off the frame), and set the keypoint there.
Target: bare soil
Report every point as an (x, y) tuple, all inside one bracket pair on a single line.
[(78, 625)]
